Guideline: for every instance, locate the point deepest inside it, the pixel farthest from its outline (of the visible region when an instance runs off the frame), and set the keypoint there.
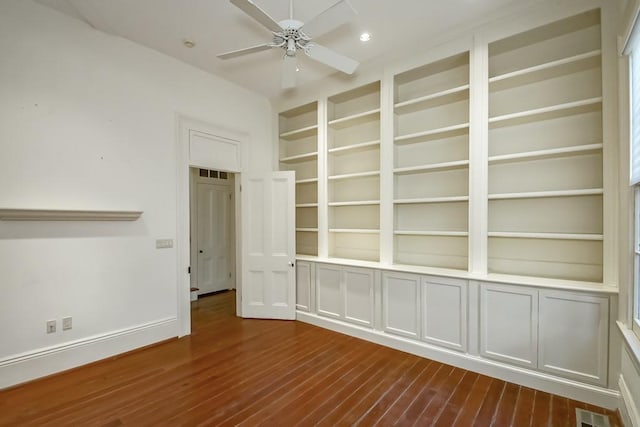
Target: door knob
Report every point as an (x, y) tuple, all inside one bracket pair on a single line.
[(201, 251), (291, 264)]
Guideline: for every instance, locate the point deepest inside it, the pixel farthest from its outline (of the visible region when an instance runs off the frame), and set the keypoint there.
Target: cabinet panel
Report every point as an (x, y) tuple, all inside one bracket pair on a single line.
[(303, 286), (444, 318), (358, 296), (329, 291), (401, 304), (574, 335), (509, 324)]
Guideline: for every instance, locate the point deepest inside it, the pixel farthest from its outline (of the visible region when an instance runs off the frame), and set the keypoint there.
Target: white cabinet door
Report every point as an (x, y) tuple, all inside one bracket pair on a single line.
[(509, 324), (329, 291), (345, 293), (268, 246), (574, 336), (401, 304), (358, 295), (444, 312)]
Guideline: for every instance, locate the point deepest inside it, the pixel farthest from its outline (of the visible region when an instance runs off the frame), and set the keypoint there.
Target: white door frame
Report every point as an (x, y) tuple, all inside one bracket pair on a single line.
[(216, 148)]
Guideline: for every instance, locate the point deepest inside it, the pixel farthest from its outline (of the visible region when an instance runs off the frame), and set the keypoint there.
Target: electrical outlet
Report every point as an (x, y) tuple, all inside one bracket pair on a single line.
[(67, 323), (51, 326)]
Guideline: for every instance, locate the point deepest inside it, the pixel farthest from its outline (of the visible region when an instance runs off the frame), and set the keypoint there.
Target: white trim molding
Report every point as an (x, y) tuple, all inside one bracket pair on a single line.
[(28, 366)]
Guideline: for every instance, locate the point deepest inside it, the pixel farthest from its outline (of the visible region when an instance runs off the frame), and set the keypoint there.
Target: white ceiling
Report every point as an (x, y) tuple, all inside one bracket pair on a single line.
[(217, 26)]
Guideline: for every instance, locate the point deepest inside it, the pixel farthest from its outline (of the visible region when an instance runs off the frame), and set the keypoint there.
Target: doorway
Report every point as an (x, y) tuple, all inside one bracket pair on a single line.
[(212, 231)]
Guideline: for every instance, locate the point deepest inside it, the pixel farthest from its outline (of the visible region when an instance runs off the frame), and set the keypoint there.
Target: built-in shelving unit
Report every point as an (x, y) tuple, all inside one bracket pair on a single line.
[(353, 173), (431, 164), (299, 152), (545, 152)]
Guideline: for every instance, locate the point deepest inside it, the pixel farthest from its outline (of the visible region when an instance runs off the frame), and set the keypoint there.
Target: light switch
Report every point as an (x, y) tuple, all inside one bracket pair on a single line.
[(164, 243)]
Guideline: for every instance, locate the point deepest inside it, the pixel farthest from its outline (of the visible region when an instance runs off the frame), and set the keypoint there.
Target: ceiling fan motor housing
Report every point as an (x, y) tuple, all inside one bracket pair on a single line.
[(291, 37)]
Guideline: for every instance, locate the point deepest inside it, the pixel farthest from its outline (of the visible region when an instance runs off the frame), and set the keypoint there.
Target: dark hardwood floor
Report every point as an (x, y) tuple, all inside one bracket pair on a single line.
[(232, 371)]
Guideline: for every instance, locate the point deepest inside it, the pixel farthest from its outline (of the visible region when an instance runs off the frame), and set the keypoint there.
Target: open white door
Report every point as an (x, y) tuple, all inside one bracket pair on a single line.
[(268, 246)]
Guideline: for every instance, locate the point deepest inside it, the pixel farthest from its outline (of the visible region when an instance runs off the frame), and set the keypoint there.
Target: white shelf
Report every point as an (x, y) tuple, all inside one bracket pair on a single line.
[(353, 147), (543, 194), (355, 119), (299, 157), (544, 154), (449, 199), (547, 66), (354, 230), (306, 181), (436, 166), (299, 133), (307, 230), (446, 96), (559, 110), (66, 215), (307, 205), (431, 233), (354, 175), (554, 236), (441, 132), (355, 203)]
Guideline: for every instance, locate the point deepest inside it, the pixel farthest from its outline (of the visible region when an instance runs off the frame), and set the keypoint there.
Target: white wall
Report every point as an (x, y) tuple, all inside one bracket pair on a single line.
[(88, 121)]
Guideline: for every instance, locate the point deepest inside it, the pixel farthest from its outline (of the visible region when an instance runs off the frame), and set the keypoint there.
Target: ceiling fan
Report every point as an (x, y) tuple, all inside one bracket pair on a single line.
[(293, 36)]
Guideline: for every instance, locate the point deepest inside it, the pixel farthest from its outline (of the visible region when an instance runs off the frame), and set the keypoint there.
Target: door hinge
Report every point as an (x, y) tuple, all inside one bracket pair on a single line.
[(189, 270), (241, 188), (229, 196), (229, 275)]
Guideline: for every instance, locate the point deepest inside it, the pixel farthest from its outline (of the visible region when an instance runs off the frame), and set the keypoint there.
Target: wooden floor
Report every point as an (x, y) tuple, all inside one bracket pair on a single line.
[(248, 372)]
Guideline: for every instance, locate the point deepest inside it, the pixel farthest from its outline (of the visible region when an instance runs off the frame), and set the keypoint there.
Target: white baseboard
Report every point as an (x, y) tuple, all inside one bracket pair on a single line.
[(46, 361), (628, 409), (540, 381)]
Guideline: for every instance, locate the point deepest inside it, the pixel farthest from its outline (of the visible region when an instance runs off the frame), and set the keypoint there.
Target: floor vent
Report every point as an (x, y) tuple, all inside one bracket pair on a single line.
[(591, 419)]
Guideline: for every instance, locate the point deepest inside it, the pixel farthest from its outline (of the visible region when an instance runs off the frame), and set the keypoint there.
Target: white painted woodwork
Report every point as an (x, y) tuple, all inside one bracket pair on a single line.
[(213, 238), (303, 285), (401, 304), (509, 324), (345, 293), (329, 291), (358, 296), (268, 214), (574, 330), (444, 312), (214, 151), (67, 215)]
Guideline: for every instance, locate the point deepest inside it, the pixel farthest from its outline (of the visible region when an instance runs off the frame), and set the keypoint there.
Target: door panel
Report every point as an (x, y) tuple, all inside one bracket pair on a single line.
[(213, 238), (268, 230)]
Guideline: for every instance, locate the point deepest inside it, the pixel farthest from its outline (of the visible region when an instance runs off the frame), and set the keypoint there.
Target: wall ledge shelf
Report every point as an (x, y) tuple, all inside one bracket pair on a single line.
[(354, 175), (555, 111), (553, 236), (66, 215), (307, 205), (300, 157), (354, 230), (449, 199), (355, 119), (355, 203), (307, 230), (306, 181)]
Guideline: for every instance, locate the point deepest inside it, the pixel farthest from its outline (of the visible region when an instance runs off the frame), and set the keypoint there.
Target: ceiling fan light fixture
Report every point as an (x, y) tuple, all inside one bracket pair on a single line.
[(365, 37), (188, 43)]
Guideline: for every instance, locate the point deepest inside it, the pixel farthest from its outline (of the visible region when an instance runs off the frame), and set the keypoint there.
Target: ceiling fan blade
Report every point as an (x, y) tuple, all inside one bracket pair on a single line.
[(338, 14), (331, 58), (252, 9), (289, 69), (245, 51)]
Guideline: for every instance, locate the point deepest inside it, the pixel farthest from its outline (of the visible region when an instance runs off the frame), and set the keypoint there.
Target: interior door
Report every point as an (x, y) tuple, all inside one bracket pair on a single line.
[(213, 237), (268, 245)]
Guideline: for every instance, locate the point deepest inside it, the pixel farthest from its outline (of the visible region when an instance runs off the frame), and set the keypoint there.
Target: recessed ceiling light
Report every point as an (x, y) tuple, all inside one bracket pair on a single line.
[(189, 43), (365, 37)]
